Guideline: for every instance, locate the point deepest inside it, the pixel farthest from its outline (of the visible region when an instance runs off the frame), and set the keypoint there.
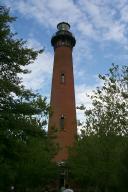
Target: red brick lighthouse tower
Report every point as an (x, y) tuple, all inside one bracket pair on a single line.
[(63, 118)]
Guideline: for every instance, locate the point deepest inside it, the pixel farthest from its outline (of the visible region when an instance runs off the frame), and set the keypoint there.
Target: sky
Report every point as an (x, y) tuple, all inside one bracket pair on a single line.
[(99, 26)]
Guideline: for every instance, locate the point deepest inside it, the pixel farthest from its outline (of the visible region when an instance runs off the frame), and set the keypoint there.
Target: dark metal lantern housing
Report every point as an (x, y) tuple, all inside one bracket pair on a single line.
[(63, 37)]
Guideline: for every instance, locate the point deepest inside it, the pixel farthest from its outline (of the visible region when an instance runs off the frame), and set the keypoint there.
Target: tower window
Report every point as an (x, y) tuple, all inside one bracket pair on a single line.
[(62, 78), (62, 122)]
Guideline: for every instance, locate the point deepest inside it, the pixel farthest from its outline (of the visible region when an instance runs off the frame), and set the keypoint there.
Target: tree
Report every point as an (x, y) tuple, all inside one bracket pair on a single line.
[(25, 149), (103, 140)]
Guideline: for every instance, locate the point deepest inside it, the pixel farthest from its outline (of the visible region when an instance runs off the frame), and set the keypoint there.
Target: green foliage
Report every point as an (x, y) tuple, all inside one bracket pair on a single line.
[(25, 150), (110, 103), (99, 160)]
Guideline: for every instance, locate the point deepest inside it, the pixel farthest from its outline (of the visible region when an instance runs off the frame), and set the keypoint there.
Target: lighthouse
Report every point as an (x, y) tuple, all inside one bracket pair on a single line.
[(63, 119)]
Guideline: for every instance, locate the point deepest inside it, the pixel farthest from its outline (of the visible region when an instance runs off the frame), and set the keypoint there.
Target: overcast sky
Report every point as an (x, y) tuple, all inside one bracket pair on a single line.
[(100, 28)]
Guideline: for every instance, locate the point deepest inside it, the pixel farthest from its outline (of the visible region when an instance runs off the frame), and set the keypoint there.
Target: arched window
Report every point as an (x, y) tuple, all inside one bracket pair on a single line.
[(62, 122), (62, 78)]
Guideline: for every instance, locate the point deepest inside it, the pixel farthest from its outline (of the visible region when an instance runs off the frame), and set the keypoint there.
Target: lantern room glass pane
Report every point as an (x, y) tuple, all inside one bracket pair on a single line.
[(63, 26)]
